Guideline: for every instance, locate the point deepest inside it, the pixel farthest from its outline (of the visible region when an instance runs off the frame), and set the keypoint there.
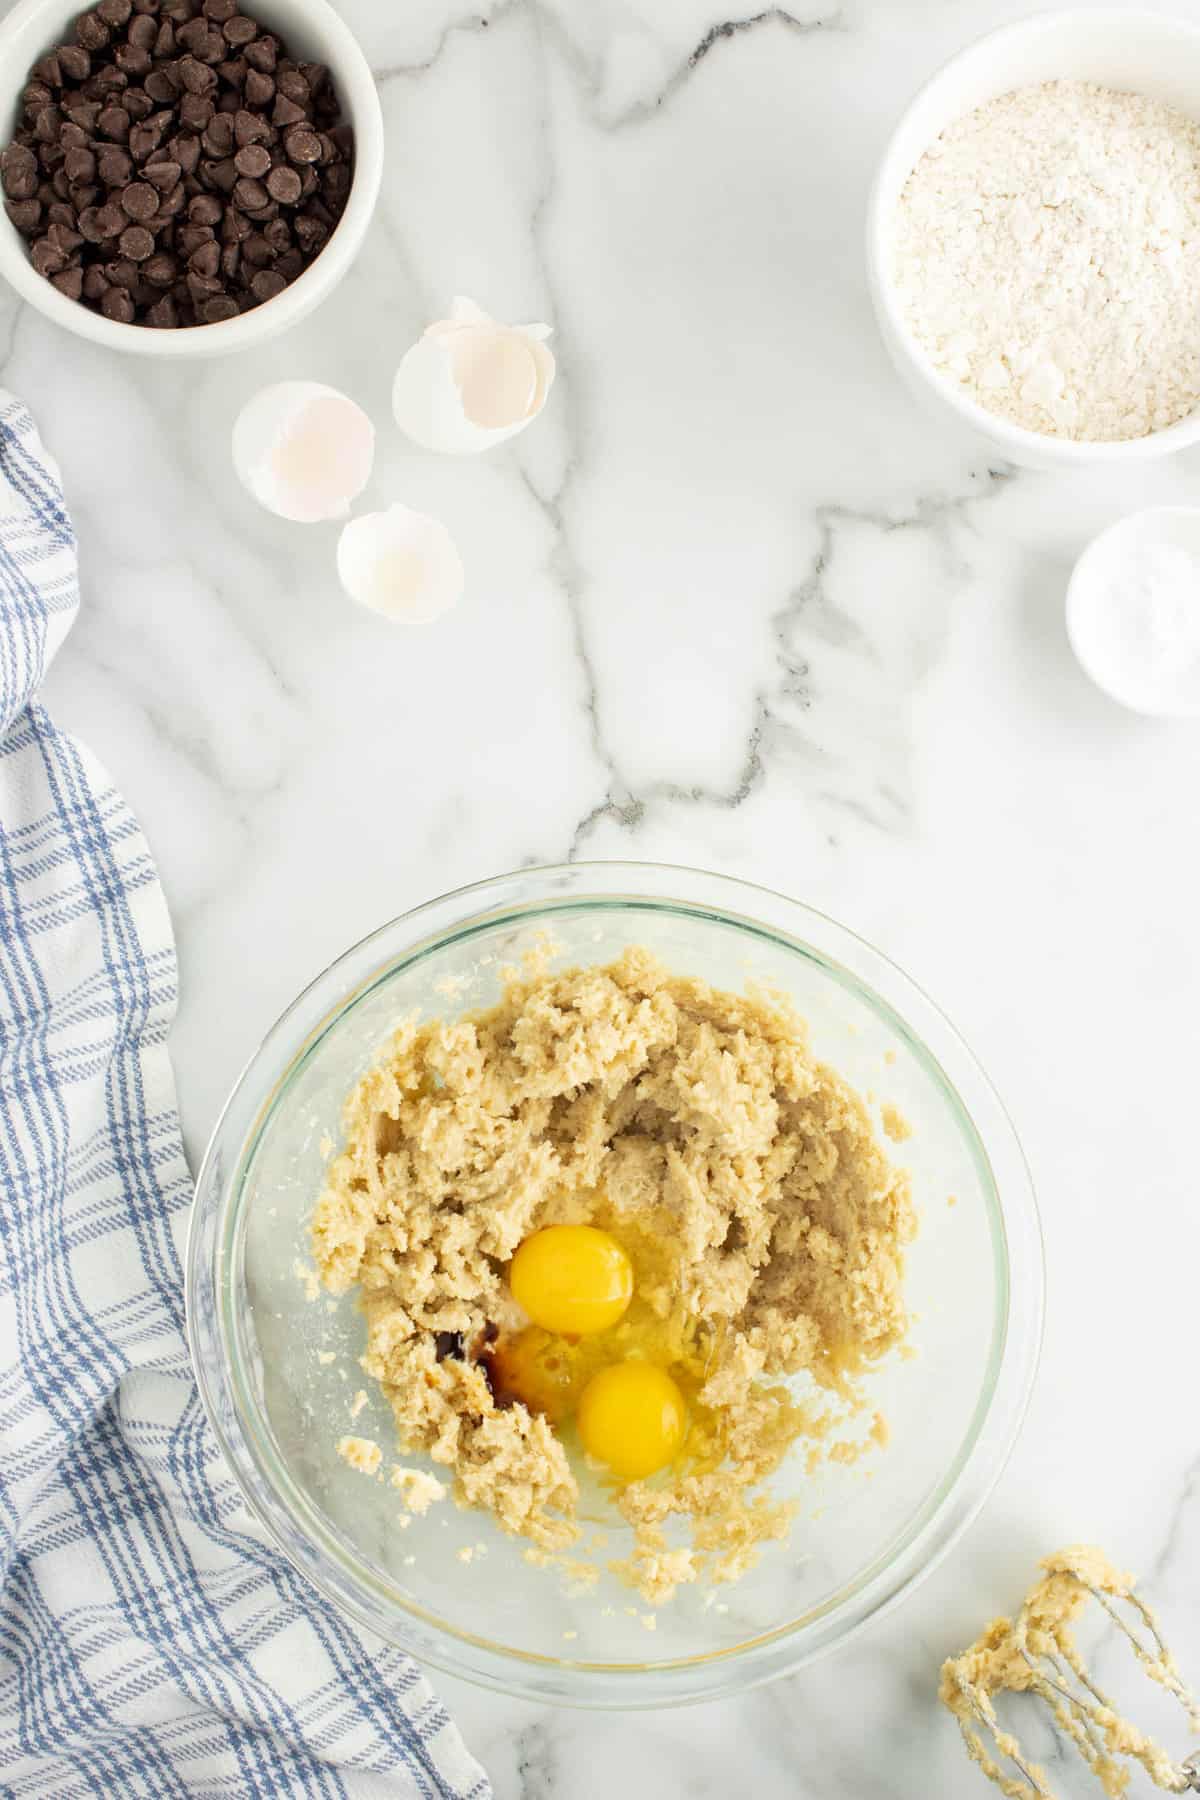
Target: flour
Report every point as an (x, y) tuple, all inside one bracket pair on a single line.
[(1047, 258)]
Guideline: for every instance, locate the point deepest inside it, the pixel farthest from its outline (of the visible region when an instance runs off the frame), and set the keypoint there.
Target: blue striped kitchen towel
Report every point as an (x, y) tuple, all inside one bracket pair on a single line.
[(151, 1642)]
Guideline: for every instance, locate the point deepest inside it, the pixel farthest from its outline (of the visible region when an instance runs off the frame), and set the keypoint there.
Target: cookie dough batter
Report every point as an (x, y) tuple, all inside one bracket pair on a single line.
[(744, 1179)]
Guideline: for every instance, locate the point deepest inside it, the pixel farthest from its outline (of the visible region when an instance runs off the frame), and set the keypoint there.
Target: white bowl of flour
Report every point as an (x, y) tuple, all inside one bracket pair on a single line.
[(1033, 239)]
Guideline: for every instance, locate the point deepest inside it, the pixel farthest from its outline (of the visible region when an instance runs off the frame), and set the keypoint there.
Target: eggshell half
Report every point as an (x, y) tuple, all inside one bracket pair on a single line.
[(400, 563), (303, 450), (470, 383)]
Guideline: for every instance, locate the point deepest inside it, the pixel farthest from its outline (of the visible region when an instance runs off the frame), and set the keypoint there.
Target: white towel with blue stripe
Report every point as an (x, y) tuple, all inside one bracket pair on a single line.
[(152, 1644)]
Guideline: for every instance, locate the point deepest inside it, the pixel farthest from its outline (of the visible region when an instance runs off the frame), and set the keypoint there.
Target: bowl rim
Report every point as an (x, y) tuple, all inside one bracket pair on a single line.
[(361, 104), (891, 1574), (1028, 448)]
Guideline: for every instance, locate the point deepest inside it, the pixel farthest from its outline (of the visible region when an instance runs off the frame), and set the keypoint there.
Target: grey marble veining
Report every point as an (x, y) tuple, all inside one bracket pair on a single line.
[(732, 602)]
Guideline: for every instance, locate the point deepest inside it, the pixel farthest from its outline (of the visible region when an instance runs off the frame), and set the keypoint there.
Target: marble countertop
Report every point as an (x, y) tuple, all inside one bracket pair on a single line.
[(732, 602)]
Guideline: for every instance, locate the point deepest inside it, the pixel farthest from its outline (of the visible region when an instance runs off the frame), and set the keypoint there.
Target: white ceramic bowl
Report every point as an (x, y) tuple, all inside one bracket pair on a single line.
[(1122, 650), (313, 31), (1143, 52)]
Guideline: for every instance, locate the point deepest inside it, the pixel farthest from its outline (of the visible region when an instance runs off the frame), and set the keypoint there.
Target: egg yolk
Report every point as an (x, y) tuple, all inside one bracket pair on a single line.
[(573, 1279), (632, 1417)]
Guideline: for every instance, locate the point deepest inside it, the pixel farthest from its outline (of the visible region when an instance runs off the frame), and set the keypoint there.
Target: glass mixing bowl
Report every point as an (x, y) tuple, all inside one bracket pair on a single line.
[(275, 1360)]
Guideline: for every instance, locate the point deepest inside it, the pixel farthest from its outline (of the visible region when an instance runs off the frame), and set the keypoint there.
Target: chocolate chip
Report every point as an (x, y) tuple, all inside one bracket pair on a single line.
[(286, 112), (260, 89), (162, 86), (218, 138), (196, 77), (310, 234), (191, 238), (302, 145), (196, 111), (114, 167), (160, 269), (114, 123), (137, 103), (205, 209), (139, 201), (145, 139), (137, 243), (84, 113), (26, 215), (47, 258), (284, 185), (95, 283), (253, 160), (19, 172), (91, 32), (239, 30), (47, 70), (219, 308), (206, 260), (47, 125), (250, 194), (117, 305), (163, 314), (75, 62), (115, 12), (291, 264), (248, 127), (132, 62), (69, 282), (185, 150), (263, 53), (99, 223), (233, 72), (291, 83), (162, 175), (223, 175)]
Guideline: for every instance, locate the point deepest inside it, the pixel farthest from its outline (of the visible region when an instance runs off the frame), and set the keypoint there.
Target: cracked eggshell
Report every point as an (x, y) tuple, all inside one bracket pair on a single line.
[(400, 563), (470, 383), (303, 450)]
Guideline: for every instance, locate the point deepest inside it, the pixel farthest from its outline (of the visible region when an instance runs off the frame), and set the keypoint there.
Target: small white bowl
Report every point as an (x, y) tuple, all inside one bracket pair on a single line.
[(1143, 52), (313, 32), (1109, 625)]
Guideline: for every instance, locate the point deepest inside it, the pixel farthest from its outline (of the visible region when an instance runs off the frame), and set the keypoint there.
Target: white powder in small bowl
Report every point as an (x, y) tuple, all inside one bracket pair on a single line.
[(1047, 259), (1133, 611)]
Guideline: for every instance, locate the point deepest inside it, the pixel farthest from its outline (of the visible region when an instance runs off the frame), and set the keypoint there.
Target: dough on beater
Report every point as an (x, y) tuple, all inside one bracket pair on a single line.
[(1031, 1654), (765, 1223)]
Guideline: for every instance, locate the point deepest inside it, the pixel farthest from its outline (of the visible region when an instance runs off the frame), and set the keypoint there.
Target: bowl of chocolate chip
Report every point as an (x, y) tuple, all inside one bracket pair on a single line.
[(181, 177)]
